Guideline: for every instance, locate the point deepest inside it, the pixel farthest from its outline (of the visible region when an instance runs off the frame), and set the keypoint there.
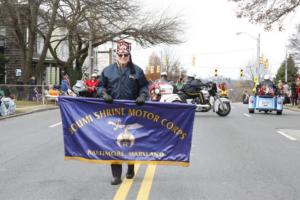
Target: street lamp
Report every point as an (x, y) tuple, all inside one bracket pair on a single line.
[(90, 53), (285, 67), (257, 50)]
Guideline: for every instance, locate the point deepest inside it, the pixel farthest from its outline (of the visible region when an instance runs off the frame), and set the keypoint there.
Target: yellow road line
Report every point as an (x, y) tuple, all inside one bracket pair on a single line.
[(125, 186), (147, 183)]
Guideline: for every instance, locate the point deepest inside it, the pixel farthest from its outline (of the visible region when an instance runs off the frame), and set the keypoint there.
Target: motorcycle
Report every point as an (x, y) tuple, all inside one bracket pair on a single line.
[(266, 99), (206, 99), (163, 91), (80, 88)]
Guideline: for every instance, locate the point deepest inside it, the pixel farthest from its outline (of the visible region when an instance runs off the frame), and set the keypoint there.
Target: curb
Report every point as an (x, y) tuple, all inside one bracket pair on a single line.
[(27, 113), (292, 108)]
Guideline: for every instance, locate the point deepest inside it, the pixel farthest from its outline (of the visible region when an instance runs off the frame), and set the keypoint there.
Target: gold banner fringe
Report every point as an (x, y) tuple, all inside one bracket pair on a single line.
[(183, 164)]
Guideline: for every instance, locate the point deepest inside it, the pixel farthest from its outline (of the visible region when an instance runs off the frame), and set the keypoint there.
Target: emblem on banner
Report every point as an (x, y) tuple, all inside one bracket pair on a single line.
[(125, 139)]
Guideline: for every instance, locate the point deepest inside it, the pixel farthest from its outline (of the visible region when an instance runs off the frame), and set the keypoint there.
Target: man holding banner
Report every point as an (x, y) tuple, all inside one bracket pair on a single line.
[(119, 130), (123, 80)]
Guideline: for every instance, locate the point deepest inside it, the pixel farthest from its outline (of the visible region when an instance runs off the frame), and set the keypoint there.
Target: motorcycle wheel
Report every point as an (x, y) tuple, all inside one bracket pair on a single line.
[(245, 101), (251, 110), (279, 112), (224, 112)]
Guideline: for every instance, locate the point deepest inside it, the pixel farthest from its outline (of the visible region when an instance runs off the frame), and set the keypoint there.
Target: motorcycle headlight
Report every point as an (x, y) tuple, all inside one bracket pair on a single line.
[(157, 90)]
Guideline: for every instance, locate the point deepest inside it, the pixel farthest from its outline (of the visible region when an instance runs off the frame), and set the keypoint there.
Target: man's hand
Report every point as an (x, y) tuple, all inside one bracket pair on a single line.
[(107, 98), (140, 100)]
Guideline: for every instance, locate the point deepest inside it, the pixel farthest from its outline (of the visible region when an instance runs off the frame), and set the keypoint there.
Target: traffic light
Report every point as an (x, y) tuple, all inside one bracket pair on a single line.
[(261, 60), (255, 80), (266, 64), (194, 61), (216, 72), (241, 73)]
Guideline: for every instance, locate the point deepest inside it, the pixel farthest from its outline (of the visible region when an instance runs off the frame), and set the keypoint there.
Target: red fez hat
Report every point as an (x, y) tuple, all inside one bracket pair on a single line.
[(123, 47)]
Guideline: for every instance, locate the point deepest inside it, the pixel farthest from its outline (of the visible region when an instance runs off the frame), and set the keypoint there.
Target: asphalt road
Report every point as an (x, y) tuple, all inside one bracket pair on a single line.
[(241, 156)]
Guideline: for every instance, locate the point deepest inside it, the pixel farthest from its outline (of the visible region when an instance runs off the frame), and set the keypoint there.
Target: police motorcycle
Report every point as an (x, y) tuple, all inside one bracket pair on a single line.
[(163, 91), (207, 98), (80, 89)]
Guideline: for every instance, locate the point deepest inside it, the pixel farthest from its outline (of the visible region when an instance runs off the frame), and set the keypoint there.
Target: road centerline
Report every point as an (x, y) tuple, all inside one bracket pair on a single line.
[(286, 135), (147, 183), (124, 188)]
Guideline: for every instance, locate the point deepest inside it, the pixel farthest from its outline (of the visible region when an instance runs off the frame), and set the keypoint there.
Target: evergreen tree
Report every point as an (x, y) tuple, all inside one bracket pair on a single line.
[(292, 71)]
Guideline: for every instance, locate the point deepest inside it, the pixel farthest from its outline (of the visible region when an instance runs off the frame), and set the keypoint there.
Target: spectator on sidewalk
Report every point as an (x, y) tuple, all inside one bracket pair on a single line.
[(20, 89), (298, 90), (32, 86), (280, 88), (53, 91), (65, 84), (294, 95), (286, 93)]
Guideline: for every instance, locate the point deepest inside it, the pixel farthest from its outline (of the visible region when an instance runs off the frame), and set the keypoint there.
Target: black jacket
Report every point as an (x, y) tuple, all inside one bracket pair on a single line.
[(124, 83)]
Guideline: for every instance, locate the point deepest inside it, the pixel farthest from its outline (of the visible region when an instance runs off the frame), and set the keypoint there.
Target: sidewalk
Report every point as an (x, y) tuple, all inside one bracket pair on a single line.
[(290, 107), (28, 109)]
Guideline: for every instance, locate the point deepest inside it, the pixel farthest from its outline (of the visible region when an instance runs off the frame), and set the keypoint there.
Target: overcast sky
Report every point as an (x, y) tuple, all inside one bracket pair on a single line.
[(211, 37)]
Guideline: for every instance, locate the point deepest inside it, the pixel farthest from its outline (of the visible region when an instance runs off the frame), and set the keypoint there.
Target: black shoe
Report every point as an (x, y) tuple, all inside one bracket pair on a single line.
[(130, 174), (116, 181)]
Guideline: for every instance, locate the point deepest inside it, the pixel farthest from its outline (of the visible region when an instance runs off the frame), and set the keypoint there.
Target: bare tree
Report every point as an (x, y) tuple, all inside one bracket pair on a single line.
[(101, 21), (249, 70), (167, 62), (266, 12), (171, 64), (23, 17), (47, 29), (79, 22), (294, 45)]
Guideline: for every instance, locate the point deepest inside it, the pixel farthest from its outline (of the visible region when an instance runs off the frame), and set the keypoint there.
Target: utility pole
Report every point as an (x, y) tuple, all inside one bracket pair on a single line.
[(113, 58), (258, 69), (258, 72), (90, 54), (285, 69)]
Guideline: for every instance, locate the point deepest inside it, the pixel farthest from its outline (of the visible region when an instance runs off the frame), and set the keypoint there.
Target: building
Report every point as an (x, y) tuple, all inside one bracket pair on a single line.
[(12, 53), (10, 71), (2, 46)]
